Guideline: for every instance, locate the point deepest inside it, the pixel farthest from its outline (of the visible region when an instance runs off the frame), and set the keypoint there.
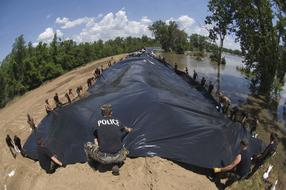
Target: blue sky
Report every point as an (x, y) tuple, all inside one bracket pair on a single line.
[(93, 19)]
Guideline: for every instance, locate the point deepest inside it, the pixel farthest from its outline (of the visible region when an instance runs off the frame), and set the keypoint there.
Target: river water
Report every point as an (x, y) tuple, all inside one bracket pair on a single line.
[(233, 83)]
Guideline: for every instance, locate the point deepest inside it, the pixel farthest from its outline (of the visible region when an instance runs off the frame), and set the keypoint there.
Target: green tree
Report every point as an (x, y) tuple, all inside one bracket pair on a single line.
[(33, 77), (160, 31), (258, 39), (18, 54), (169, 36), (198, 42), (221, 20), (3, 86), (54, 48)]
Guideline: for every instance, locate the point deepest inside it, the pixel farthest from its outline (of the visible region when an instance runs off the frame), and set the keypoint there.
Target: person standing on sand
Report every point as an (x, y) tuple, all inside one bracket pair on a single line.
[(68, 98), (108, 147), (48, 107), (12, 147), (48, 161), (78, 91), (57, 100), (71, 93), (97, 73), (31, 122)]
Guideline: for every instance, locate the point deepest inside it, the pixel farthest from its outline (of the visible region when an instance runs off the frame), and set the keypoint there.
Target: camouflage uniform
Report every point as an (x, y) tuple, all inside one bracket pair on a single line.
[(93, 153)]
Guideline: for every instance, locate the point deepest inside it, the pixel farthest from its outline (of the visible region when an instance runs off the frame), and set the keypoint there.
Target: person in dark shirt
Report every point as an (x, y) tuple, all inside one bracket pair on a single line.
[(176, 67), (89, 82), (260, 159), (239, 168), (97, 73), (187, 71), (271, 148), (210, 88), (68, 98), (195, 75), (203, 81), (48, 161), (11, 146), (57, 100), (108, 147)]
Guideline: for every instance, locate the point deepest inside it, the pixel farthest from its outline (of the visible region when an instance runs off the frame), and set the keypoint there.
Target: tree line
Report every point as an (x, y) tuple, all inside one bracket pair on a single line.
[(172, 39), (27, 67)]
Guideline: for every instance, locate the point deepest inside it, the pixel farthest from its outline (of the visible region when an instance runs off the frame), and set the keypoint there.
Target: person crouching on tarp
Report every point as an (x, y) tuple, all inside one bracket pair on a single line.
[(108, 147)]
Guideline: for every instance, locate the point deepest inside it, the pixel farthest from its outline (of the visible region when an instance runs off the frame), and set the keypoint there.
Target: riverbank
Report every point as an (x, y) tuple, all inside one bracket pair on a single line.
[(139, 173)]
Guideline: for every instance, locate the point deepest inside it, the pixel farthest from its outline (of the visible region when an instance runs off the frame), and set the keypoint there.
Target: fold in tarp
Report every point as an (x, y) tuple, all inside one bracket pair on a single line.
[(170, 118)]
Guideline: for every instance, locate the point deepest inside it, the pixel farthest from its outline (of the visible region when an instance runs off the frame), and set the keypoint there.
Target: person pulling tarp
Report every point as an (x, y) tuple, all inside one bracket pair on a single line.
[(238, 169), (108, 147), (47, 160)]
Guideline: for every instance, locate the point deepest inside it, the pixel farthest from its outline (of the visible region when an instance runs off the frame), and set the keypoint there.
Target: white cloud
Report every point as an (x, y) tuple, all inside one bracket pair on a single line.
[(189, 25), (60, 34), (35, 44), (48, 35), (66, 23), (112, 25)]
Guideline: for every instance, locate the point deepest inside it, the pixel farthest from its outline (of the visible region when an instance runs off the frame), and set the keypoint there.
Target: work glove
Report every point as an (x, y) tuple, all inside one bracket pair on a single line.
[(217, 170)]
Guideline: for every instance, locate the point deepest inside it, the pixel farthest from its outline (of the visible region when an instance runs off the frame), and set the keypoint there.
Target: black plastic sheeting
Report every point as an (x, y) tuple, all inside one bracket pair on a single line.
[(170, 118)]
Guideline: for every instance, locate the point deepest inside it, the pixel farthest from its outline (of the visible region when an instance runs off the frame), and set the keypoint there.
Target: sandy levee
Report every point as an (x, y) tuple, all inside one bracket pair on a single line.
[(139, 173)]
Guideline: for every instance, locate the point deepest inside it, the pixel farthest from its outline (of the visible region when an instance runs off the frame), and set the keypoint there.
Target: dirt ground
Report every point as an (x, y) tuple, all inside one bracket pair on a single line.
[(139, 173)]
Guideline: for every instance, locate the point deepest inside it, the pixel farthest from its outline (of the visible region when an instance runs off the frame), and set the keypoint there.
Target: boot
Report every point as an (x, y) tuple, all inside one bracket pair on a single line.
[(115, 170)]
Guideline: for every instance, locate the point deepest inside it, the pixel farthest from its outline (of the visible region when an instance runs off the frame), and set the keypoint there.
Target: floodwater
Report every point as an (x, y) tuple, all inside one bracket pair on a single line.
[(233, 83)]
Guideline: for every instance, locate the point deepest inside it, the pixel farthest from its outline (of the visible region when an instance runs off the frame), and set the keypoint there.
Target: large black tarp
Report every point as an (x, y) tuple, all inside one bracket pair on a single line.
[(170, 118)]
